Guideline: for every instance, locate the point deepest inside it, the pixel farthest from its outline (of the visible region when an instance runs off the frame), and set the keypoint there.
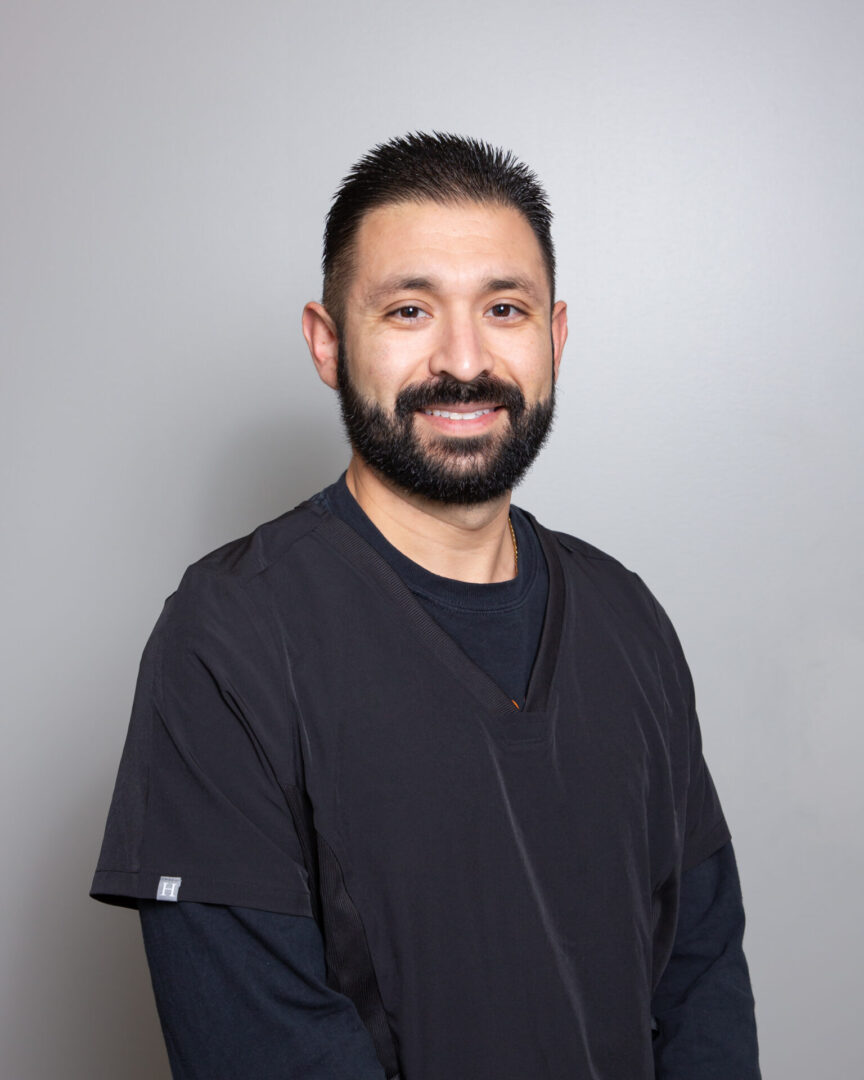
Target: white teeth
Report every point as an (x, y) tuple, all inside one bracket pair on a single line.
[(457, 415)]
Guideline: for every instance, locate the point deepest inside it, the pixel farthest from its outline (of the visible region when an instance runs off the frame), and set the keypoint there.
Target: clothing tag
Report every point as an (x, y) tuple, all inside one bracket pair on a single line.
[(168, 889)]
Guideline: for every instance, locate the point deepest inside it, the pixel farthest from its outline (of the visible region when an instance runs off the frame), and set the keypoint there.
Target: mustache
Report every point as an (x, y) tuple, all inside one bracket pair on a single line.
[(445, 390)]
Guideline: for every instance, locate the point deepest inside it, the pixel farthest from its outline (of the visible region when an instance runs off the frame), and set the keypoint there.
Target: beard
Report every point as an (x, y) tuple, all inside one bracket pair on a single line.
[(450, 469)]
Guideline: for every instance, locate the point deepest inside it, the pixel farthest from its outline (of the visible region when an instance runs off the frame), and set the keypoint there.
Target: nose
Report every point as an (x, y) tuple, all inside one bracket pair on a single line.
[(460, 350)]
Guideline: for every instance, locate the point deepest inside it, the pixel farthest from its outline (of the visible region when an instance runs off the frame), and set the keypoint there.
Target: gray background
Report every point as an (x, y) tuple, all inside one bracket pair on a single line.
[(167, 167)]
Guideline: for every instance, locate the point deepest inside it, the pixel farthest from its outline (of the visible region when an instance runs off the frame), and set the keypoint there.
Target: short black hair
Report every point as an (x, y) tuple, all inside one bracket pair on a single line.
[(435, 167)]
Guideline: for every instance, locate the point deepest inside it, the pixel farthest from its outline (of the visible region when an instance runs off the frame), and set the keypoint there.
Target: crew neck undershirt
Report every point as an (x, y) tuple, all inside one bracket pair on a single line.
[(497, 625)]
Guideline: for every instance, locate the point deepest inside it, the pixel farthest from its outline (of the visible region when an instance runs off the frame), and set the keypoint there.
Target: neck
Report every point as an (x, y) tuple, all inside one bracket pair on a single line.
[(466, 543)]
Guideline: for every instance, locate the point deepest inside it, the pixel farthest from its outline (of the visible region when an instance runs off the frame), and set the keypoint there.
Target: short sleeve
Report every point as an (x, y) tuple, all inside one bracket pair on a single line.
[(212, 746), (705, 828)]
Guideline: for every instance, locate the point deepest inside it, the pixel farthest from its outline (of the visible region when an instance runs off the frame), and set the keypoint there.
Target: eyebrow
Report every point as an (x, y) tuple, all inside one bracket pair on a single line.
[(424, 284), (514, 284), (398, 284)]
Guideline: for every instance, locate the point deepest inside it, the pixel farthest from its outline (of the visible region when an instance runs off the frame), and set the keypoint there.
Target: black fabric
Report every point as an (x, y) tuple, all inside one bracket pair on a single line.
[(200, 963), (346, 950), (704, 1004), (242, 996), (543, 848), (497, 625), (199, 791)]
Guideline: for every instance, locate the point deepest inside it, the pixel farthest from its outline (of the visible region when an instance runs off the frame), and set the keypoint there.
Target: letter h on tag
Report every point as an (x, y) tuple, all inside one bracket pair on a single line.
[(168, 889)]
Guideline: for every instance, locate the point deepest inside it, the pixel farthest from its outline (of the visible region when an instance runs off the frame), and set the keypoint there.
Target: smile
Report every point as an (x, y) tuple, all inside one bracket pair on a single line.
[(458, 415)]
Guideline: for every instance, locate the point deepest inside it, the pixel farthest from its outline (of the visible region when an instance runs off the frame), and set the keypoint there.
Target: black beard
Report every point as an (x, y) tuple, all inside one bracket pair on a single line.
[(450, 469)]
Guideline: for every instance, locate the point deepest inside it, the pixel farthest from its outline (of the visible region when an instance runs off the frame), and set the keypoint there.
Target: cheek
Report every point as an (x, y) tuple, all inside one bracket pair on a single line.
[(390, 366), (530, 365)]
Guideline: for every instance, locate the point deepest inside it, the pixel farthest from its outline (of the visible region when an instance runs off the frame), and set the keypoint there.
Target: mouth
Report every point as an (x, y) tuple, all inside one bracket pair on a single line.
[(472, 419), (464, 413)]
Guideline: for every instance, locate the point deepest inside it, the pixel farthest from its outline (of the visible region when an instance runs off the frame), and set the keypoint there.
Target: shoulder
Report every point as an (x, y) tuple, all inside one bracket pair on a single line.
[(577, 556), (581, 550), (229, 588), (621, 589), (248, 556), (620, 599)]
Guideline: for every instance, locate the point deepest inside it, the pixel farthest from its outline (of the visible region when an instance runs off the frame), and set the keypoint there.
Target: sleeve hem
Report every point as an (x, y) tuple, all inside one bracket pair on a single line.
[(709, 843), (126, 889)]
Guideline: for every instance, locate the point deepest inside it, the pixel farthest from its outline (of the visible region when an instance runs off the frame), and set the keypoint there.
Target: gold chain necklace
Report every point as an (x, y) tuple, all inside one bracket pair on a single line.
[(515, 545)]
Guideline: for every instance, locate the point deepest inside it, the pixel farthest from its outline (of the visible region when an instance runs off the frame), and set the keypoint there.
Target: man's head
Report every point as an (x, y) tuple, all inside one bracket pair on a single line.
[(438, 326), (439, 168)]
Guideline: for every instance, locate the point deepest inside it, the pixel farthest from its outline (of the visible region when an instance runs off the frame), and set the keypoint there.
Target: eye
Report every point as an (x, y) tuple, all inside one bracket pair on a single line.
[(505, 311), (409, 313)]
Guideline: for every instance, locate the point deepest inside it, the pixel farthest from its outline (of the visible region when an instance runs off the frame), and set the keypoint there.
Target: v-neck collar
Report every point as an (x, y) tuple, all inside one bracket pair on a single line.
[(362, 555), (444, 592)]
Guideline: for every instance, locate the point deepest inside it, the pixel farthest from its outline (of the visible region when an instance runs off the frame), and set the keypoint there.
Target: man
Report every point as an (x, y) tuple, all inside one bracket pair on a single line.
[(413, 786)]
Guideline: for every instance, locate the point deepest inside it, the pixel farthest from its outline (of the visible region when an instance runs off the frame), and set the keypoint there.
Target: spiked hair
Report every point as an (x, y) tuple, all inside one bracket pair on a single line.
[(418, 167)]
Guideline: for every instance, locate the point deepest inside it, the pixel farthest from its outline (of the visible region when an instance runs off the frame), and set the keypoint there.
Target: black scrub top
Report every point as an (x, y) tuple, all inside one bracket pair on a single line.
[(509, 876)]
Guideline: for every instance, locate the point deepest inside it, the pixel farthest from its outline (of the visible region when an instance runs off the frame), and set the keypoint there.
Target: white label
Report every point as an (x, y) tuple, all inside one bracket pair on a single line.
[(168, 889)]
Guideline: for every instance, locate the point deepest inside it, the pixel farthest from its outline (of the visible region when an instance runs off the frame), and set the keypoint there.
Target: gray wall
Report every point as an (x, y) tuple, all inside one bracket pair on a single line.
[(166, 170)]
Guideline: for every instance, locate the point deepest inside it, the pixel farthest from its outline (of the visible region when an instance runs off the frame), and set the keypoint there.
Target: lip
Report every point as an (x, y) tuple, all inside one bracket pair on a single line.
[(473, 406)]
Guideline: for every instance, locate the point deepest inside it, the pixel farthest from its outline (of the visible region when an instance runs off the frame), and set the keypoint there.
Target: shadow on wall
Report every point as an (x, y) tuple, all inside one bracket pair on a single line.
[(82, 1005), (270, 469)]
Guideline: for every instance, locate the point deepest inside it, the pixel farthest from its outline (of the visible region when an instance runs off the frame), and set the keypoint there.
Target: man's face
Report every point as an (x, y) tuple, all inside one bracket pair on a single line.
[(450, 350)]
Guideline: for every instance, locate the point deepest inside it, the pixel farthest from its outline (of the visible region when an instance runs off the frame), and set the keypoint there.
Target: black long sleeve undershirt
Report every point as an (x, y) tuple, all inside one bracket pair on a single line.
[(704, 1004), (242, 993)]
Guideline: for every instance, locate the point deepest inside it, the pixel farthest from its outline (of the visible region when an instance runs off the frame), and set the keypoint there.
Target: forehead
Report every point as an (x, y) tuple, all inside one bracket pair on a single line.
[(451, 243)]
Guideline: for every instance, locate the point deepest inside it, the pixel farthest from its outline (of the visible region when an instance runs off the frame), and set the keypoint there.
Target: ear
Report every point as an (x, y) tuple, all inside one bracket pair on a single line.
[(323, 341), (559, 334)]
